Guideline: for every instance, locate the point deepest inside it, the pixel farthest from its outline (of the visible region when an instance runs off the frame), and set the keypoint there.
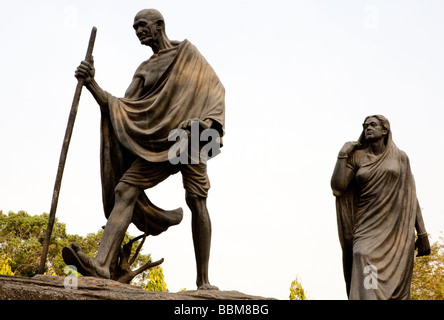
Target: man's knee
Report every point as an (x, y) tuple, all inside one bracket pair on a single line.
[(195, 202), (125, 192), (192, 197)]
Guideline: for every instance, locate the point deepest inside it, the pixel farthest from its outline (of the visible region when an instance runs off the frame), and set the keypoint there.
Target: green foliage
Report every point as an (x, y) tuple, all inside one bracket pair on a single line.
[(21, 240), (5, 266), (154, 281), (297, 292), (428, 274)]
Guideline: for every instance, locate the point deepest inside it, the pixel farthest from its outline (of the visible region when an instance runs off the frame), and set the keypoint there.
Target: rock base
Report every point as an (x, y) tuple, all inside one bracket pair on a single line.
[(46, 287)]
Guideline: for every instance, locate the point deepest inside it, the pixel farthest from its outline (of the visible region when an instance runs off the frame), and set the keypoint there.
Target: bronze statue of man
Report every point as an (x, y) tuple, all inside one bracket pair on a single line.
[(174, 89)]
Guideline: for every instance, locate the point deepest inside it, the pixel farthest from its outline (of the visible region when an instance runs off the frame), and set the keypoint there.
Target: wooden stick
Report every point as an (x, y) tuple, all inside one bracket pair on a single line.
[(62, 160)]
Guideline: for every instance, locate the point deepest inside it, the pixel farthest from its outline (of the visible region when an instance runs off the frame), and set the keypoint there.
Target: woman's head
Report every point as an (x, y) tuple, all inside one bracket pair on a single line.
[(376, 127)]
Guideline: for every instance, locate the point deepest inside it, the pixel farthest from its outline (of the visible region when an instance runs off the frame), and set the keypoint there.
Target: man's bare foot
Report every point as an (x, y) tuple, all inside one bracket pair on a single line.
[(85, 265), (207, 286)]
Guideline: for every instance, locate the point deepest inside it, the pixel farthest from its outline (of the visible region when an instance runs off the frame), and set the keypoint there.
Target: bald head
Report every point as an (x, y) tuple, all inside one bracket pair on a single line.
[(149, 25), (150, 14)]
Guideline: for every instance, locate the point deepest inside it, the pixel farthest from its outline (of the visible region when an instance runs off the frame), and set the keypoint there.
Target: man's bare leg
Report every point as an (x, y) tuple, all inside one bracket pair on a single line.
[(118, 222), (125, 198), (201, 229)]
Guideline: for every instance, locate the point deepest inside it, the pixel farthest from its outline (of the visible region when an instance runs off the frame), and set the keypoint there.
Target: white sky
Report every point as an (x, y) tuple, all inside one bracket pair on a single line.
[(300, 77)]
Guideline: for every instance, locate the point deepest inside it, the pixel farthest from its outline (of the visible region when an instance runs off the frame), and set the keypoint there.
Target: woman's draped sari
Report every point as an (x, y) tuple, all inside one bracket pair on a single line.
[(376, 224)]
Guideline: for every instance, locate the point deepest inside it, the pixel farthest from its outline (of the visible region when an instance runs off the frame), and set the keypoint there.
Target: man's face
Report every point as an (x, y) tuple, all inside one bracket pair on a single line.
[(146, 31), (373, 129)]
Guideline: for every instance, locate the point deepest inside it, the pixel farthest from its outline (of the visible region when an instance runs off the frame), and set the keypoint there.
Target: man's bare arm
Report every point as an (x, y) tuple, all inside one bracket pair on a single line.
[(87, 72)]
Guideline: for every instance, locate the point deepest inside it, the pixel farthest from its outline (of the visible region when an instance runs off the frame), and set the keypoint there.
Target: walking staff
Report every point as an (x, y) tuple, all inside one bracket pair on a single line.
[(64, 152)]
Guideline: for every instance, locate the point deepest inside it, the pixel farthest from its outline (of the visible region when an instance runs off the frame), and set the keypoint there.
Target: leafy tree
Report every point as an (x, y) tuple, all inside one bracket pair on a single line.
[(21, 238), (155, 280), (5, 266), (428, 274), (21, 241), (297, 292)]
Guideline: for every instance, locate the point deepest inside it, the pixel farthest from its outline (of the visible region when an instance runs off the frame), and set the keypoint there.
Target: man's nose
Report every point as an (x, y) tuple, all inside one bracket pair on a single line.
[(139, 30)]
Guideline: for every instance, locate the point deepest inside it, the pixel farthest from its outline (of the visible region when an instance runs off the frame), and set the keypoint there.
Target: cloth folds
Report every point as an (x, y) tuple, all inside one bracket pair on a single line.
[(376, 225), (136, 127)]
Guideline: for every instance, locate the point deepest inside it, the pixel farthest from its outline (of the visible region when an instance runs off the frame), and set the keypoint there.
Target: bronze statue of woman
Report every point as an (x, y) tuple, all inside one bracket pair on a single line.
[(378, 212)]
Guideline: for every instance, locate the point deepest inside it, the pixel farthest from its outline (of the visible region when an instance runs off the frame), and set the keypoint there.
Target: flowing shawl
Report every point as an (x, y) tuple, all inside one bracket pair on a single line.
[(376, 225), (139, 127)]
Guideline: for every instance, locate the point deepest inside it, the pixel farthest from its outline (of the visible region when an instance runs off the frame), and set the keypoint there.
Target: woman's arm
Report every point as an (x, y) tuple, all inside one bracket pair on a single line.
[(342, 175), (422, 243)]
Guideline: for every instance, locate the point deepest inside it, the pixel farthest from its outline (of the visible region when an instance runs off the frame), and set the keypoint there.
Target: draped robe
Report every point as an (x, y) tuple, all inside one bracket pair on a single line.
[(376, 224), (138, 126)]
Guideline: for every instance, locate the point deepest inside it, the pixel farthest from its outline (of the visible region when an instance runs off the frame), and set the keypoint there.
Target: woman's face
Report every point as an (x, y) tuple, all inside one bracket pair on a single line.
[(373, 130)]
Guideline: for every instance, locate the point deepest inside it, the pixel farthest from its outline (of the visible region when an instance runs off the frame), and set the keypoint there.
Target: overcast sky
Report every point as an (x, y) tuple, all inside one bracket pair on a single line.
[(300, 77)]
